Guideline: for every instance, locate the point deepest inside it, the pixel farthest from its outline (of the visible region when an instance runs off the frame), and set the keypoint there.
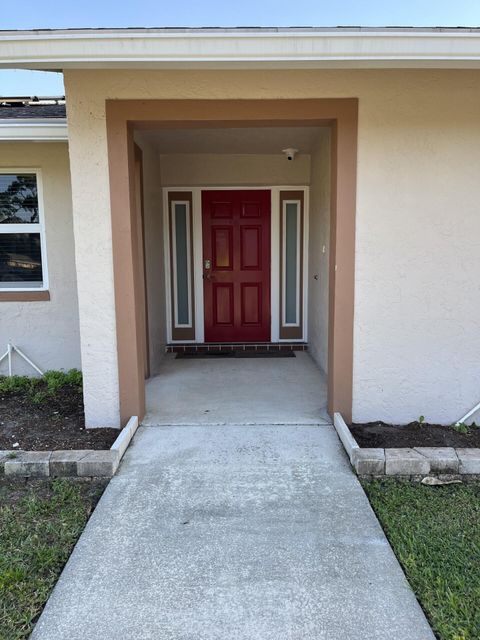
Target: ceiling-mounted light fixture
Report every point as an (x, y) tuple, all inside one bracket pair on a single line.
[(290, 153)]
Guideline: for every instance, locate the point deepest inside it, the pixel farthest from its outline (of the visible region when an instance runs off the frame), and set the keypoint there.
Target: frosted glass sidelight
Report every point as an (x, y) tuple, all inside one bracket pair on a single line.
[(291, 262)]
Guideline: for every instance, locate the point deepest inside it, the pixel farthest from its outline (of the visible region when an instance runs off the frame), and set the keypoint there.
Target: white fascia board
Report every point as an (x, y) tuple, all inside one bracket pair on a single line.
[(36, 131), (243, 49)]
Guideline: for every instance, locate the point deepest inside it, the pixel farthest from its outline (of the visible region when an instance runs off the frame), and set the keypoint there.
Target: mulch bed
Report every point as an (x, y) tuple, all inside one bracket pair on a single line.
[(415, 434), (57, 423)]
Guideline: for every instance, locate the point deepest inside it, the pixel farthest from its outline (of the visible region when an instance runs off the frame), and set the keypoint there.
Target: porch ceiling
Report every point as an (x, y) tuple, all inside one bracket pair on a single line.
[(255, 140)]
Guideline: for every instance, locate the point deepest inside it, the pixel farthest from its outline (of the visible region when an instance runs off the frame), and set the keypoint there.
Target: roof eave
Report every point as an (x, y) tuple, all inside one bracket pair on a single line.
[(54, 50), (48, 130)]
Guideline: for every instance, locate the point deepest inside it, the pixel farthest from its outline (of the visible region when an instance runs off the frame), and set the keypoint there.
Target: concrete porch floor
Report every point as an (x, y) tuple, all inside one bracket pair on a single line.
[(237, 391)]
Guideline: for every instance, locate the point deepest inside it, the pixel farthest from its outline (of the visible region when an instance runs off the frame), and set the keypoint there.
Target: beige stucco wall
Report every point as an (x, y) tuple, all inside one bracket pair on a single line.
[(417, 303), (46, 330), (210, 169), (318, 250)]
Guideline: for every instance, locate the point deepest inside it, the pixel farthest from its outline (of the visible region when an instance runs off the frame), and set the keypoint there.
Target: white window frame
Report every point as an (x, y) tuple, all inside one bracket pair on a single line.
[(174, 203), (35, 227)]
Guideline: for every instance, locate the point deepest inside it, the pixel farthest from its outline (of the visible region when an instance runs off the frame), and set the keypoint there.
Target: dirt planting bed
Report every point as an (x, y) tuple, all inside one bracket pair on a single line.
[(415, 434), (47, 415)]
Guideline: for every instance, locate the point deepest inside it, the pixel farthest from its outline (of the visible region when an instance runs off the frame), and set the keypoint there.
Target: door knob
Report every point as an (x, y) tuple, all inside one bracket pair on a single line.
[(207, 264)]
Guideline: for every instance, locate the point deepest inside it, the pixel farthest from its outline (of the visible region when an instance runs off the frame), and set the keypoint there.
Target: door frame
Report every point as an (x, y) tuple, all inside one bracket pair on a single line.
[(197, 237)]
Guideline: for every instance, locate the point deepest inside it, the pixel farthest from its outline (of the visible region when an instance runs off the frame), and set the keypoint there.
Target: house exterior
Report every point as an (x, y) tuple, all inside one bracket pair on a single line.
[(299, 188)]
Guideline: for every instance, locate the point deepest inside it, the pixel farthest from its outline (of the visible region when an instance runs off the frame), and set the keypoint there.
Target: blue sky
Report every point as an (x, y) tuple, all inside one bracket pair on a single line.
[(159, 13)]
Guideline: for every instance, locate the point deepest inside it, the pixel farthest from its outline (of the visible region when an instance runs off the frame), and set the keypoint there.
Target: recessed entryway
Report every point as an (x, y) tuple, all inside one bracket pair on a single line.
[(128, 120), (241, 258), (237, 391)]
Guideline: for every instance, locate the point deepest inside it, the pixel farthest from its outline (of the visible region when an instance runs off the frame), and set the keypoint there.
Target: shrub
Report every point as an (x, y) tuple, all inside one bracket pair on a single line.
[(17, 384), (57, 379), (38, 390)]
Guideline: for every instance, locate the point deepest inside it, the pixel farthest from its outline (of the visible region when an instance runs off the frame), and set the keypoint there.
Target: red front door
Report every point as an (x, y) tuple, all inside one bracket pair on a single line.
[(236, 265)]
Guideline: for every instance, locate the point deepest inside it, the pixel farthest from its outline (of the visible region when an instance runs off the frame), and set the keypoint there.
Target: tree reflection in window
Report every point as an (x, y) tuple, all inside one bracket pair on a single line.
[(18, 199), (20, 258)]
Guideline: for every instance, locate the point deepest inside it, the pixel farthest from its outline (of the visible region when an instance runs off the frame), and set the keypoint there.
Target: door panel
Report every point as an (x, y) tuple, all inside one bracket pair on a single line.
[(221, 208), (251, 304), (236, 261), (250, 248), (222, 247), (223, 310), (251, 210)]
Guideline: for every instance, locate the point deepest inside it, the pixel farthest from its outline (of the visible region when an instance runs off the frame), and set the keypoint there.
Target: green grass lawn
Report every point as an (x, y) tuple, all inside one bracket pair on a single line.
[(435, 533), (39, 525)]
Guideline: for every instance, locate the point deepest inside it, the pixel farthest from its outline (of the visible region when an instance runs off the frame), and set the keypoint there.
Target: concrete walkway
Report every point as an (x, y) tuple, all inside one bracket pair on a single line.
[(233, 533)]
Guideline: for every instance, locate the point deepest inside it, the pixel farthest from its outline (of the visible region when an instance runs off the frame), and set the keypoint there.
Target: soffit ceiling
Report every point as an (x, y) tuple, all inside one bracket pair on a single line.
[(260, 140)]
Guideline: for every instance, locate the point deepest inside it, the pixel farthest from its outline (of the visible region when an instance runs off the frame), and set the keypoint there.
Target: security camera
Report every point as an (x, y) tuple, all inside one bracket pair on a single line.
[(290, 153)]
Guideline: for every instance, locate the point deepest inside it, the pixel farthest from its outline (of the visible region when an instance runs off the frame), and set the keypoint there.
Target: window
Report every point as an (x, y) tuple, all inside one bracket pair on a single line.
[(22, 241), (181, 254), (291, 264), (291, 261)]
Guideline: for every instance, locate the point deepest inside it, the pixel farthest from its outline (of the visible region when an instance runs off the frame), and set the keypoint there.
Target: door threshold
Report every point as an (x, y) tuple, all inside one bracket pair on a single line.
[(221, 354), (251, 347)]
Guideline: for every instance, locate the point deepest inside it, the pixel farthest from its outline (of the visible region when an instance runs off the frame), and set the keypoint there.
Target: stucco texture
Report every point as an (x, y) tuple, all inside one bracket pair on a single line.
[(154, 254), (47, 331), (319, 250), (210, 169), (416, 338)]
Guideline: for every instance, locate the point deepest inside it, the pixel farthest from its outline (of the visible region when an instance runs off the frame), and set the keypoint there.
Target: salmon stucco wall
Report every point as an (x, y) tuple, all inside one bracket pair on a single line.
[(417, 303), (47, 331)]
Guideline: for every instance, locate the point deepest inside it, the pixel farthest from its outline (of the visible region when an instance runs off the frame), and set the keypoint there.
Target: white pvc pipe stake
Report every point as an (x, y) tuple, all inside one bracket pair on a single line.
[(467, 415), (8, 354)]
